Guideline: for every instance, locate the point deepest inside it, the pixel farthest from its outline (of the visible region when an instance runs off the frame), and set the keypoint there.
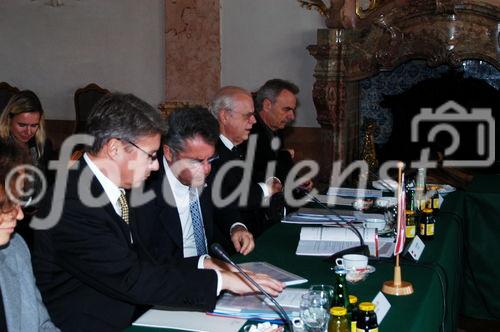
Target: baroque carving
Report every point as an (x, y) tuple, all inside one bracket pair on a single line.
[(438, 31)]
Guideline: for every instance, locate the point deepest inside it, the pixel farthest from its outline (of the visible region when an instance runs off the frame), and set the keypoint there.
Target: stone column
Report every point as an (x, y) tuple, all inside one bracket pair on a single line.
[(335, 100), (192, 50)]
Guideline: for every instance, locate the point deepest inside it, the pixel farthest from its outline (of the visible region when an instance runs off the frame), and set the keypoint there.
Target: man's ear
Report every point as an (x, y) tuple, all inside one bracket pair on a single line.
[(266, 105), (224, 116), (168, 153), (113, 148)]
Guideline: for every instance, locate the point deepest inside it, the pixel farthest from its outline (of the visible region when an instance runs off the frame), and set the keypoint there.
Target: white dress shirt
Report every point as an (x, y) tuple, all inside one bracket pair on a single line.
[(112, 190), (181, 196)]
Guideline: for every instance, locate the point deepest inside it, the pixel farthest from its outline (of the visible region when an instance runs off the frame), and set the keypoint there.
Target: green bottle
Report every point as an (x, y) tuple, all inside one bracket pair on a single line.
[(352, 312), (340, 286)]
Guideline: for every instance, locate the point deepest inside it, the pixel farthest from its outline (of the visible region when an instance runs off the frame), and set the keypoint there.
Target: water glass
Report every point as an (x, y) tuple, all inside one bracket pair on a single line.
[(326, 292), (313, 313)]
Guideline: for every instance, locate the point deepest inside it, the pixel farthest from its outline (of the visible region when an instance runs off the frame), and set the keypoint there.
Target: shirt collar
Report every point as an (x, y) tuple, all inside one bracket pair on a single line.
[(111, 189), (226, 142), (177, 187)]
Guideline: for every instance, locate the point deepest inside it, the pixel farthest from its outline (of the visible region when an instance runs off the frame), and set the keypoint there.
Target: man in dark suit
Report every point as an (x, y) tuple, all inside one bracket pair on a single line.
[(275, 105), (183, 188), (233, 108), (93, 268)]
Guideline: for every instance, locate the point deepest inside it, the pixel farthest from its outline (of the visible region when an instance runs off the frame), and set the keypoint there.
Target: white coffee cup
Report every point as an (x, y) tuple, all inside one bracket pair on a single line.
[(352, 262)]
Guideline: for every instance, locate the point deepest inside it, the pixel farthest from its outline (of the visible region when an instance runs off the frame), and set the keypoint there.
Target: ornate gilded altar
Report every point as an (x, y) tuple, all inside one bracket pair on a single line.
[(364, 37)]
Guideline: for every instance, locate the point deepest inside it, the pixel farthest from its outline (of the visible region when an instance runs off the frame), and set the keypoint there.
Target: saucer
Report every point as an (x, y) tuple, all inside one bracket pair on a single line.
[(354, 276)]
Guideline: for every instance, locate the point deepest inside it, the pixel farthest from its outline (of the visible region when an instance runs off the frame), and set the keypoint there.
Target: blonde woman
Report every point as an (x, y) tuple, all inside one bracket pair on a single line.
[(22, 123), (21, 306)]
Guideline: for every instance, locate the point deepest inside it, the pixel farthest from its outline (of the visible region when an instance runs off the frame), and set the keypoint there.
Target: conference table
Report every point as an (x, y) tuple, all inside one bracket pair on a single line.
[(435, 277)]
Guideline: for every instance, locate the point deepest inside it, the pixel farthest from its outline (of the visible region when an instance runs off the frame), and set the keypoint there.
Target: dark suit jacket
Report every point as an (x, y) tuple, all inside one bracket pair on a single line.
[(93, 279), (265, 154), (252, 211), (160, 226)]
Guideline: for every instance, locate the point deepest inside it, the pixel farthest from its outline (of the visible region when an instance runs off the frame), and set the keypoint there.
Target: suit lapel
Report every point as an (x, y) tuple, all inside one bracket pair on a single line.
[(97, 190), (169, 215)]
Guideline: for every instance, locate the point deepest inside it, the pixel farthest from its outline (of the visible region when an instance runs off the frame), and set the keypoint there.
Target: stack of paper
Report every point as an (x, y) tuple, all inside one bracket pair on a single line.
[(188, 321), (312, 216), (354, 192), (256, 306), (325, 241)]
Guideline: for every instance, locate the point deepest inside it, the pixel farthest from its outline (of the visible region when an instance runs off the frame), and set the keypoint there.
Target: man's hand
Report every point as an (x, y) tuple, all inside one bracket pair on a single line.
[(273, 185), (217, 264), (236, 283), (242, 240), (308, 185)]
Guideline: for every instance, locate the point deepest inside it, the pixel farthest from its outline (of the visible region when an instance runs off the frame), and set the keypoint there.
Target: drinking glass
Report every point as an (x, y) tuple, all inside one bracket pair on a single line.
[(313, 313), (326, 292)]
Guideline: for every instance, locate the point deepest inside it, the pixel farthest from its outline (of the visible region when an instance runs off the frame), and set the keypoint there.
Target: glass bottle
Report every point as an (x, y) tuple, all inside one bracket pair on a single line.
[(340, 299), (420, 189), (338, 320), (410, 196), (411, 224), (427, 223), (352, 312), (367, 318), (435, 200)]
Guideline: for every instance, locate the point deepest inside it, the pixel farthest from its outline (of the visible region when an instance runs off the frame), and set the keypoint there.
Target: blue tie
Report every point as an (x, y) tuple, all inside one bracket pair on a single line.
[(197, 220)]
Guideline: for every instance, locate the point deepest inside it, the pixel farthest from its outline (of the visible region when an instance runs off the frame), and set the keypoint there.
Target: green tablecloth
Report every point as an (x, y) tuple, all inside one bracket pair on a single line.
[(477, 211), (434, 277)]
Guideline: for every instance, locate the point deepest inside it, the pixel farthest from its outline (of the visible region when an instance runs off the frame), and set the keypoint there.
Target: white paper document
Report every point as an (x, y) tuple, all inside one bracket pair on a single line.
[(285, 277), (255, 306), (354, 192), (326, 241), (188, 321), (312, 216)]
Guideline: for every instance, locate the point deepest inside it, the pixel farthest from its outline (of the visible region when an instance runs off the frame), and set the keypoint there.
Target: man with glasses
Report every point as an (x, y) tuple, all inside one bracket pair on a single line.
[(233, 108), (186, 220), (94, 267)]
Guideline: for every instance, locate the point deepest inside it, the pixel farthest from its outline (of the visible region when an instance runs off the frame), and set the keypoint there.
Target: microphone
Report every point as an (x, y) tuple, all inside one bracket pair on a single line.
[(217, 250), (362, 249)]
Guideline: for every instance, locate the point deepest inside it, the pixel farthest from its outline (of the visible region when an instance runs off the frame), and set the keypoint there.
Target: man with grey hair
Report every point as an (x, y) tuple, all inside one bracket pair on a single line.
[(275, 106), (93, 269), (233, 108)]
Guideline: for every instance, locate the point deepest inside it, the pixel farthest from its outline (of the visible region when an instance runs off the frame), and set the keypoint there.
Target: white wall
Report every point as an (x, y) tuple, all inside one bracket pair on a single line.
[(119, 44), (264, 39)]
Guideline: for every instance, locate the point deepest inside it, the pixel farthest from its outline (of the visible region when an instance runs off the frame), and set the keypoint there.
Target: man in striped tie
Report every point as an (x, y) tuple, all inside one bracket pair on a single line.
[(94, 268), (187, 221)]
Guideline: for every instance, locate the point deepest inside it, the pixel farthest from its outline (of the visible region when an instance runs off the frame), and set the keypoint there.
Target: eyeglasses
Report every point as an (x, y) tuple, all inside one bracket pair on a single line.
[(151, 156), (197, 163), (246, 116)]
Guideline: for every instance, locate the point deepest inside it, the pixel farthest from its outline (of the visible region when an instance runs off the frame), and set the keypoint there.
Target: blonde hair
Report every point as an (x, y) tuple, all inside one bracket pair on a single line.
[(25, 101)]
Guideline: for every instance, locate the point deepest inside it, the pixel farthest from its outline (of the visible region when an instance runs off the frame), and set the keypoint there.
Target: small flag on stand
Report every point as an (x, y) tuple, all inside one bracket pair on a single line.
[(397, 286), (401, 234)]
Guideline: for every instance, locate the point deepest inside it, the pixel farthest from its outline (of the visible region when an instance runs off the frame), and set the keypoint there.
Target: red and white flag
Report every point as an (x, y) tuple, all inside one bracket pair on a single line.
[(401, 234)]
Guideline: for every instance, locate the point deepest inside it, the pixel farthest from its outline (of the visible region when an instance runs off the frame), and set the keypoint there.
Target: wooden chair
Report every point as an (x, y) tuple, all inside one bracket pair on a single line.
[(6, 91), (85, 98)]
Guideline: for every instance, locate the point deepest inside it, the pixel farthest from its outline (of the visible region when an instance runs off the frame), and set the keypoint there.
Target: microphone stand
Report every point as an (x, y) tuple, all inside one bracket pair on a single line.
[(217, 249)]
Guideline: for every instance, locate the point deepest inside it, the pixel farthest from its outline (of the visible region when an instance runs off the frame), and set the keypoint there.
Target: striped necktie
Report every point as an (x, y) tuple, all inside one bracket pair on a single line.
[(197, 221)]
